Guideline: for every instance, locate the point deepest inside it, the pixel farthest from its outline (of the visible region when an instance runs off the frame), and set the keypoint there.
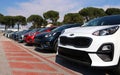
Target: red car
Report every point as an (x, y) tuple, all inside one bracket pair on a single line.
[(29, 37)]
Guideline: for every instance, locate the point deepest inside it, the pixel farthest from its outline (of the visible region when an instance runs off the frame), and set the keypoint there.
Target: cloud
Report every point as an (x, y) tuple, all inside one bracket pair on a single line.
[(40, 6), (62, 6)]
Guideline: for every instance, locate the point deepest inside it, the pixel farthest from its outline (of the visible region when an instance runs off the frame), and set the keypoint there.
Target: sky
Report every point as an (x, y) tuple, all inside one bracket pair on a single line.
[(29, 7)]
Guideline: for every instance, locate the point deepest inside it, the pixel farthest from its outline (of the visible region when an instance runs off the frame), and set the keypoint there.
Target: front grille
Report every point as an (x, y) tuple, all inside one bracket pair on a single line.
[(81, 56), (37, 40), (39, 37), (79, 42)]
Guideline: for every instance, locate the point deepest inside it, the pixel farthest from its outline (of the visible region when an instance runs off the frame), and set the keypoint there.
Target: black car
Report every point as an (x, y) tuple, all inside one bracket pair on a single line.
[(49, 40), (39, 38)]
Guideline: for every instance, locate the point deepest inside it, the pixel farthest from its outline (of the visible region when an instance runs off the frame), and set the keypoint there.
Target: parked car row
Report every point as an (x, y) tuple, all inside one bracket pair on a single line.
[(6, 33), (42, 38)]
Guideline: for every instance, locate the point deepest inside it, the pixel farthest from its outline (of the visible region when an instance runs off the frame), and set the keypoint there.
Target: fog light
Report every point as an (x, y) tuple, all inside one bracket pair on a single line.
[(106, 52), (106, 47)]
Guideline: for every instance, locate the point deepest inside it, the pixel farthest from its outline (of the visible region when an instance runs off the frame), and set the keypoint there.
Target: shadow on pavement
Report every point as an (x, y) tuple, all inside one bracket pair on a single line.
[(43, 51), (85, 70), (26, 44)]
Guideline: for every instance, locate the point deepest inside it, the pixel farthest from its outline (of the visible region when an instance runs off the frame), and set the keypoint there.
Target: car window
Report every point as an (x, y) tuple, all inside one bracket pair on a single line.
[(108, 20)]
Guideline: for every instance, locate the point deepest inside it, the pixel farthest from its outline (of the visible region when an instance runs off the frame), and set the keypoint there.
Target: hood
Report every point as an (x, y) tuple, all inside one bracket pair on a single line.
[(42, 34), (89, 29)]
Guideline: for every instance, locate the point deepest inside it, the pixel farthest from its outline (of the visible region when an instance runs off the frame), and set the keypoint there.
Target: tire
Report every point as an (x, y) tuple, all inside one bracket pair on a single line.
[(116, 71), (55, 46)]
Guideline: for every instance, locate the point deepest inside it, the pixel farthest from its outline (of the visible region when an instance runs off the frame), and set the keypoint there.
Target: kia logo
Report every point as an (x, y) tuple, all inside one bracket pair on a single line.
[(71, 34)]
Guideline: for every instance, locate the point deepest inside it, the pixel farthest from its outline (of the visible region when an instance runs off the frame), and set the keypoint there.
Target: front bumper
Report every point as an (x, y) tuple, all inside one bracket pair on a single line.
[(75, 55), (97, 59), (84, 58), (43, 44)]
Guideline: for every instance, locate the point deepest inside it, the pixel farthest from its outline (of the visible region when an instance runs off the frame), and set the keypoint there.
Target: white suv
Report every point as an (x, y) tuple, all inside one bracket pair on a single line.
[(96, 43)]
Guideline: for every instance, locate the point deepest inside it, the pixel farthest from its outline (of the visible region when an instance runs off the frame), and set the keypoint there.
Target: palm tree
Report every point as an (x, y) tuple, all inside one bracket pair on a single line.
[(20, 20), (36, 20), (8, 21)]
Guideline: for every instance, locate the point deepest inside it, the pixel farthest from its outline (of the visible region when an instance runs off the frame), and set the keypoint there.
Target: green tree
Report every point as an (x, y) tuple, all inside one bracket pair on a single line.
[(59, 23), (112, 11), (44, 23), (51, 15), (1, 16), (20, 20), (36, 20), (91, 12), (73, 18), (8, 21)]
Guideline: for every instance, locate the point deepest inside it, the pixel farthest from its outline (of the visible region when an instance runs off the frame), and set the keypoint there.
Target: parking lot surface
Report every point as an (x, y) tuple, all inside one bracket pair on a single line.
[(19, 59), (16, 59)]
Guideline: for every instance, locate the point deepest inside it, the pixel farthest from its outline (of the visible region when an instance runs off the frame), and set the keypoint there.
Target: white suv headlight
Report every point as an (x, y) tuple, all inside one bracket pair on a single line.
[(107, 31)]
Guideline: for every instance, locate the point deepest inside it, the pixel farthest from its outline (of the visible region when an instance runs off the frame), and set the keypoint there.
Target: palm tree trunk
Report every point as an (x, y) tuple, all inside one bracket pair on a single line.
[(18, 27), (5, 27)]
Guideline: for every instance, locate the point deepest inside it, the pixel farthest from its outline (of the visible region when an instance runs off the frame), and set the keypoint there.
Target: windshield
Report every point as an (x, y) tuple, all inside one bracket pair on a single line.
[(60, 28), (108, 20), (34, 30), (48, 28)]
